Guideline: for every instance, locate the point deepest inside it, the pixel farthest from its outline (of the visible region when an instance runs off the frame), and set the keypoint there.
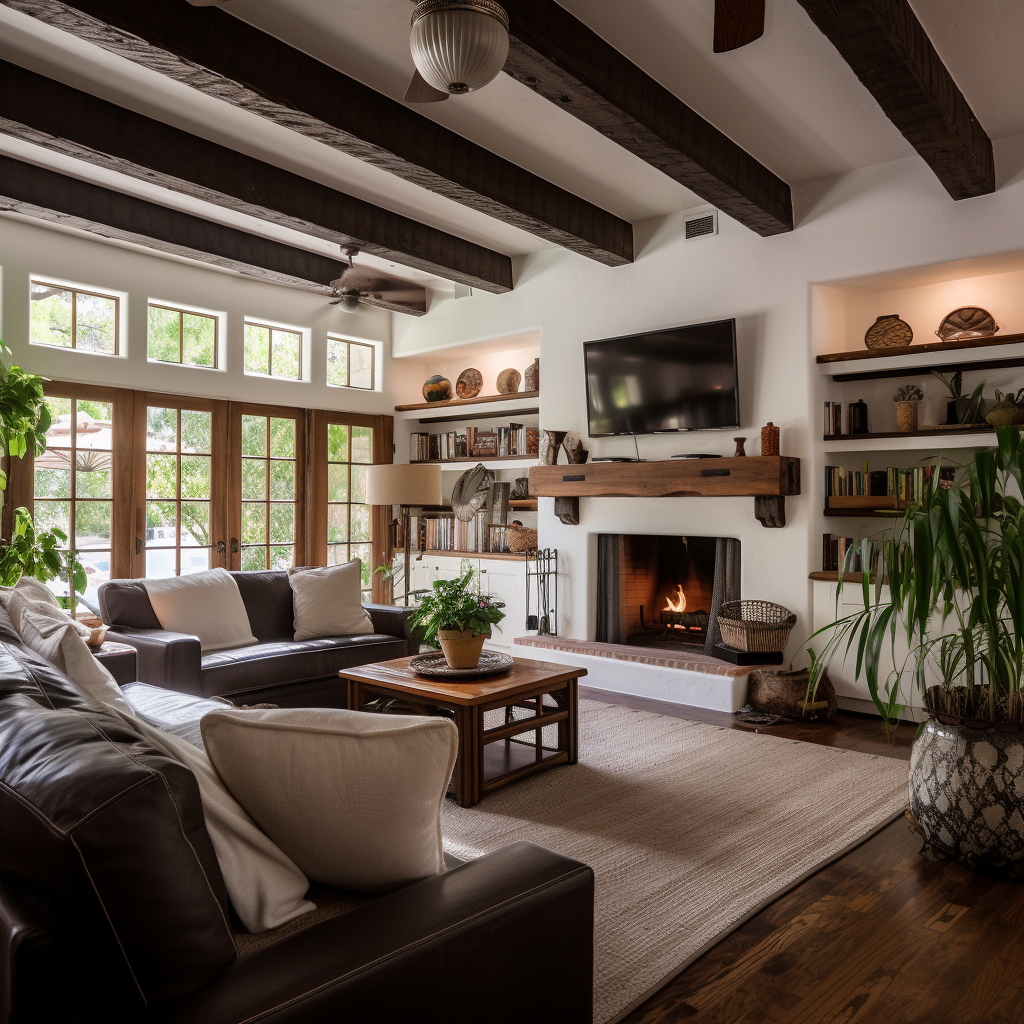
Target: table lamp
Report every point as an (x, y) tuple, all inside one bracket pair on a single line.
[(404, 485)]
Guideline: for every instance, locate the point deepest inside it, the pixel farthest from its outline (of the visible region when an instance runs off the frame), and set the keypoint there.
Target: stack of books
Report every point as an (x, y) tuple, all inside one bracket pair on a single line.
[(515, 440), (449, 533), (844, 553)]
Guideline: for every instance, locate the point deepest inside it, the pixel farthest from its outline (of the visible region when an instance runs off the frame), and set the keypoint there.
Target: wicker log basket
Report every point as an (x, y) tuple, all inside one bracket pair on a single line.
[(756, 626), (521, 539)]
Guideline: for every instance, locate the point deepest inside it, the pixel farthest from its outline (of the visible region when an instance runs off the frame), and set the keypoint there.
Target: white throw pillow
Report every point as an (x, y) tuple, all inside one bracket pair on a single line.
[(353, 798), (206, 604), (327, 601)]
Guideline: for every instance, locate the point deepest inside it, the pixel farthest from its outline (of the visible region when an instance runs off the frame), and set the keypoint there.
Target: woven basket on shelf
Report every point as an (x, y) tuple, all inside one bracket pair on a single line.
[(756, 626), (520, 538)]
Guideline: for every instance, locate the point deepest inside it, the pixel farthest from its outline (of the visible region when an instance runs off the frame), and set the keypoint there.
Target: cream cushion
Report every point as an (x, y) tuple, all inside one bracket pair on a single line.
[(327, 601), (353, 798), (207, 605)]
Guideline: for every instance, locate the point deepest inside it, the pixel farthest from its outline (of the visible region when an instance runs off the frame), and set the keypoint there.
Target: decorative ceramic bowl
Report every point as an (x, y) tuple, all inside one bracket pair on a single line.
[(889, 331), (967, 322), (469, 383), (437, 389)]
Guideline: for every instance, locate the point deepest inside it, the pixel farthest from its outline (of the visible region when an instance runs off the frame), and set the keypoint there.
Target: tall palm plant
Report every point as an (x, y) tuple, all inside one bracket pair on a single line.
[(954, 566)]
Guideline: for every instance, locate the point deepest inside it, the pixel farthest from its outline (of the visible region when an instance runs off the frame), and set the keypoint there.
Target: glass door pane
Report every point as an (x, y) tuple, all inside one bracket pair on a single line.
[(349, 524), (178, 491), (73, 485)]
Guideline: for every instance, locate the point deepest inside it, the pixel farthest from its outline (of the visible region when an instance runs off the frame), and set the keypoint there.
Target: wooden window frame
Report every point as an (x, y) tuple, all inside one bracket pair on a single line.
[(247, 322), (75, 292), (383, 427), (334, 339), (182, 313)]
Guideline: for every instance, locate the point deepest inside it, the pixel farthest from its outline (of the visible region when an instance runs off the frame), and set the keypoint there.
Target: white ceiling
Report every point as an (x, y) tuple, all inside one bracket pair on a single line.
[(788, 98)]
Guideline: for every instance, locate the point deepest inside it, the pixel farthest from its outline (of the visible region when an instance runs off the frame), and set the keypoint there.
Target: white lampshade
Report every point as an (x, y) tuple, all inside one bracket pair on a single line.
[(403, 485), (459, 45)]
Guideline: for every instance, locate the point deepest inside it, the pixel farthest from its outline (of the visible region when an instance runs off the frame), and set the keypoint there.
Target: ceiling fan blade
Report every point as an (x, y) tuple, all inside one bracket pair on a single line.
[(737, 22), (420, 91)]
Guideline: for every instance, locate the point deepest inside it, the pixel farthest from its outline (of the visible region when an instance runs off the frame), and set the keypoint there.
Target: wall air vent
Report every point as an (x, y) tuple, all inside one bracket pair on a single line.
[(697, 227)]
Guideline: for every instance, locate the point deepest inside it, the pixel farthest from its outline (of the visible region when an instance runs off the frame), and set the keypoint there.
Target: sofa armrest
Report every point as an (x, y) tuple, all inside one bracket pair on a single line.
[(455, 948), (393, 620), (171, 660)]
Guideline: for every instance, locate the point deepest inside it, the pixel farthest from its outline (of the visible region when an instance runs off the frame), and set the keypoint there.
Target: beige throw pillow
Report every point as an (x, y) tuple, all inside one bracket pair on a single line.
[(327, 601), (207, 605), (353, 798)]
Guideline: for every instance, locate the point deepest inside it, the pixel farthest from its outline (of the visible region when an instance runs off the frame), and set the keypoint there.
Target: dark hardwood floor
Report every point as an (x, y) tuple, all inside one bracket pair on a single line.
[(880, 935)]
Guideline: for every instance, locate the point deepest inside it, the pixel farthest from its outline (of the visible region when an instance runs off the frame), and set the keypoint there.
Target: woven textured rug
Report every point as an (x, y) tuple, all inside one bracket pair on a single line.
[(690, 829)]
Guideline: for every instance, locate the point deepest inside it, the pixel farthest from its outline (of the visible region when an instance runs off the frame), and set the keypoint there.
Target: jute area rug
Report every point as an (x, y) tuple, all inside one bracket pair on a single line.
[(690, 829)]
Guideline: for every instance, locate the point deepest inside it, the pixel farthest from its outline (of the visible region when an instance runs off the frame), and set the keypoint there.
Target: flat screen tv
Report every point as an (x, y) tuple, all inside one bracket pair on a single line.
[(680, 379)]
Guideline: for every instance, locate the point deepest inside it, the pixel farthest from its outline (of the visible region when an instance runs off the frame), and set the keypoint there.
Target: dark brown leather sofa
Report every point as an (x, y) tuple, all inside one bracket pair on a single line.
[(113, 907), (278, 670)]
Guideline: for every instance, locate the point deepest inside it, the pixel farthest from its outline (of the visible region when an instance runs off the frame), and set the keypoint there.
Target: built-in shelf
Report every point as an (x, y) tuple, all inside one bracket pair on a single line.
[(492, 405), (880, 363), (499, 462), (848, 577), (523, 504), (498, 556), (979, 435)]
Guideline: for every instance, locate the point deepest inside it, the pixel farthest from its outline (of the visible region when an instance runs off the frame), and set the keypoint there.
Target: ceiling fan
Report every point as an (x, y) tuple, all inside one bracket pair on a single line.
[(737, 22), (356, 287)]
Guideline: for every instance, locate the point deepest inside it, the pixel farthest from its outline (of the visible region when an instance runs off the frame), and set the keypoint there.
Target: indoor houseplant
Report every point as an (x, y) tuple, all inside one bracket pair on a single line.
[(954, 567), (456, 614), (24, 417), (42, 555)]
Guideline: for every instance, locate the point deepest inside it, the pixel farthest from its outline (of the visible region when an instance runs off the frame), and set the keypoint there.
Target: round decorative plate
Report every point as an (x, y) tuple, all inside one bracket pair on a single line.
[(967, 322), (469, 383), (435, 666), (508, 381), (437, 389)]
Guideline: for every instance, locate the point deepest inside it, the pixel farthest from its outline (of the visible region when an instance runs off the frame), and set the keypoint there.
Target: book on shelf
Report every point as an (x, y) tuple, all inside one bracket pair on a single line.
[(843, 552), (444, 532), (833, 419), (907, 486), (515, 440)]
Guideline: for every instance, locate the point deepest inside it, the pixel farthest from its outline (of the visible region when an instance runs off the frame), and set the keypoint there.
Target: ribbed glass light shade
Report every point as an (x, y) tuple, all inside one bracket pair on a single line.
[(459, 47)]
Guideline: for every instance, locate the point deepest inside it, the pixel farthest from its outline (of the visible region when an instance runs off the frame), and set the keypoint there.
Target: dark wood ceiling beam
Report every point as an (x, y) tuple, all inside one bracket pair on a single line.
[(39, 110), (47, 195), (890, 52), (558, 57), (210, 50)]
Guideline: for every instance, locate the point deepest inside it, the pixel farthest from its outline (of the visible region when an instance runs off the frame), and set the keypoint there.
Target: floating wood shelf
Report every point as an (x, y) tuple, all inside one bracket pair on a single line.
[(523, 460), (460, 403), (848, 577), (767, 479), (968, 428), (877, 506), (929, 347), (498, 556)]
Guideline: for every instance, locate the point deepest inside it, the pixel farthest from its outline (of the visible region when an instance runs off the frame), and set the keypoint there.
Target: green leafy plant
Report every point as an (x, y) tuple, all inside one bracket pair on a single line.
[(1011, 398), (955, 570), (968, 409), (457, 604), (41, 554), (24, 417), (909, 393)]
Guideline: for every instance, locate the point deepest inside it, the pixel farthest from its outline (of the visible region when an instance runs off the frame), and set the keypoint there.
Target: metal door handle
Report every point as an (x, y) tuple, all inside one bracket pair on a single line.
[(220, 547), (138, 545), (234, 545)]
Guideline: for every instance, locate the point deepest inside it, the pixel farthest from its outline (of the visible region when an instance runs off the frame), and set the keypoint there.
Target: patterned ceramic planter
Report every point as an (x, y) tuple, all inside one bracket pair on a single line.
[(967, 793)]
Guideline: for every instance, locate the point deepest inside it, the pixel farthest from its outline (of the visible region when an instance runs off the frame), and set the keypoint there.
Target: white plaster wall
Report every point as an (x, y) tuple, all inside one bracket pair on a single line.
[(26, 248), (882, 218)]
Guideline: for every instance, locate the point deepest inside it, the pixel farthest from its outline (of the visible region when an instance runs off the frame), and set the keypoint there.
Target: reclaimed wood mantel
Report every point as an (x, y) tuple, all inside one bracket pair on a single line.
[(768, 479)]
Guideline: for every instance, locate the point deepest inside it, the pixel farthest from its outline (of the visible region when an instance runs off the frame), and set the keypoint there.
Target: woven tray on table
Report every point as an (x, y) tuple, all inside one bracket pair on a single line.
[(756, 626)]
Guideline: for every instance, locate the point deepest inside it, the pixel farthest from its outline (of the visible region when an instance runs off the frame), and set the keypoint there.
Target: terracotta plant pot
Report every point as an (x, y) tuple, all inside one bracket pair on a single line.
[(906, 416), (964, 786), (461, 648)]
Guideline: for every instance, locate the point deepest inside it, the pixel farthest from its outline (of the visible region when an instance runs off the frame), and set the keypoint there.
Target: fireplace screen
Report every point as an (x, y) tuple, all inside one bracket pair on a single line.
[(664, 592)]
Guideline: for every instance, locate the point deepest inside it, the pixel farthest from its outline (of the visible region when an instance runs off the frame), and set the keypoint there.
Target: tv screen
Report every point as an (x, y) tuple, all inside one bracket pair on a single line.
[(680, 379)]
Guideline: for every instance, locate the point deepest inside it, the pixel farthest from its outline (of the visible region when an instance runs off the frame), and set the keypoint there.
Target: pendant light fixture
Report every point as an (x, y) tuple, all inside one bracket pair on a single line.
[(459, 46)]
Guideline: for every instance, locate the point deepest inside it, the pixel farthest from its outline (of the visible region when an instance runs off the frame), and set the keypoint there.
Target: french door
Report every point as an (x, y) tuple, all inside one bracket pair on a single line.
[(180, 482)]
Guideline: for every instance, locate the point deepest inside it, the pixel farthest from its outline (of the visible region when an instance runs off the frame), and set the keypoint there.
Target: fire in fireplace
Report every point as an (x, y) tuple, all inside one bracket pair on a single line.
[(657, 591)]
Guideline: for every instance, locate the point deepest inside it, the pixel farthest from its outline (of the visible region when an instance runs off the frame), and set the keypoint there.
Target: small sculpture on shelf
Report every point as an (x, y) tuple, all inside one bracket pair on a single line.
[(471, 492), (437, 389), (967, 322), (531, 377), (908, 401), (550, 443), (521, 488), (574, 450), (741, 449), (889, 331), (770, 439)]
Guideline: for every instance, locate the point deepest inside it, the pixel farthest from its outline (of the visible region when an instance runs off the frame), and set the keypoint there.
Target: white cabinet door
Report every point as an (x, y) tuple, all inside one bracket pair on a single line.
[(506, 581)]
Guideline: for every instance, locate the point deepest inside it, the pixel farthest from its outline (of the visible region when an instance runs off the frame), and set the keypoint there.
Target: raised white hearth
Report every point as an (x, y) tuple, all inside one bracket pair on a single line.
[(691, 678)]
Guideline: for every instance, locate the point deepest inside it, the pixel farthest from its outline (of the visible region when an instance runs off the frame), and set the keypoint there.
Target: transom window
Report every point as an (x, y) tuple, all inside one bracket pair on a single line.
[(268, 492), (73, 484), (178, 336), (350, 364), (273, 351), (349, 527), (71, 318)]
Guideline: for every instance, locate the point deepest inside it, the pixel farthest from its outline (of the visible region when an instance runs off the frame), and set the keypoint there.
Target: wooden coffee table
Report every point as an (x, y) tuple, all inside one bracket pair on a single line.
[(540, 693)]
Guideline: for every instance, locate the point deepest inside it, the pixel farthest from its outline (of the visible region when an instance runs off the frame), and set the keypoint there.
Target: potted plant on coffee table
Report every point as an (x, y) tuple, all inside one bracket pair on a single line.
[(954, 567), (458, 616)]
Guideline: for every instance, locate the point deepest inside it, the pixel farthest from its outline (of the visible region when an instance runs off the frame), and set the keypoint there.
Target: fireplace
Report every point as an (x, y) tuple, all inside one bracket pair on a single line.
[(664, 592)]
